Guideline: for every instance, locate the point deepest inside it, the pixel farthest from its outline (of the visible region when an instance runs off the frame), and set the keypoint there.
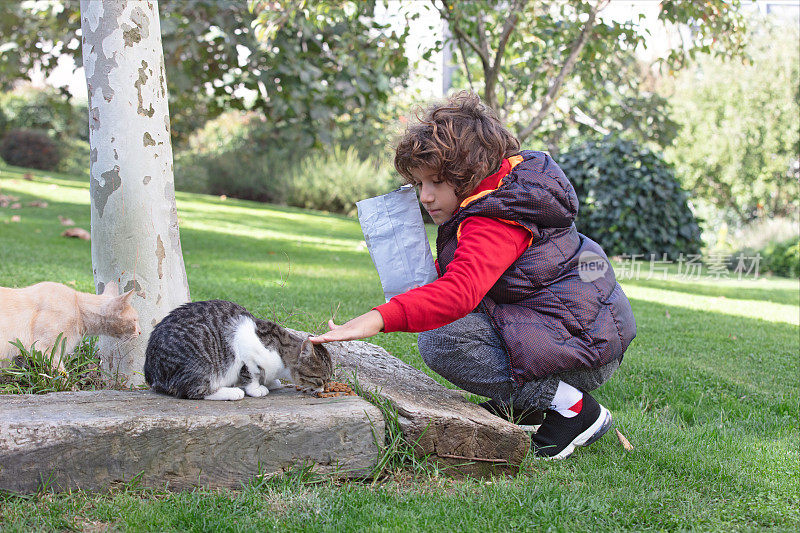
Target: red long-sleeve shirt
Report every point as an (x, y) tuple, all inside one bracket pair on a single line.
[(486, 248)]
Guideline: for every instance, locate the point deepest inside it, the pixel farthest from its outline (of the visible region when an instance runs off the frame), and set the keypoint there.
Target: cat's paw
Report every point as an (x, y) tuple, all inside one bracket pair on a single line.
[(255, 390), (226, 393)]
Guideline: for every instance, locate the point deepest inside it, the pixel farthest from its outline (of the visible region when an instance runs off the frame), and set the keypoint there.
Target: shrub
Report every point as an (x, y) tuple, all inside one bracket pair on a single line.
[(191, 174), (74, 157), (782, 258), (240, 154), (260, 176), (227, 132), (237, 154), (45, 109), (3, 122), (236, 173), (31, 149), (630, 200), (335, 180)]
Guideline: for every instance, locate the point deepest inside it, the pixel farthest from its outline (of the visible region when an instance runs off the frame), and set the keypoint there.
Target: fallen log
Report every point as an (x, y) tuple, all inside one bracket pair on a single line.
[(438, 422), (92, 440)]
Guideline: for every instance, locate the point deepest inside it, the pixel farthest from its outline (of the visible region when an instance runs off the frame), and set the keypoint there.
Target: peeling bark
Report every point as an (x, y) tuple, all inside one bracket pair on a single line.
[(141, 30), (160, 255), (110, 182), (131, 183)]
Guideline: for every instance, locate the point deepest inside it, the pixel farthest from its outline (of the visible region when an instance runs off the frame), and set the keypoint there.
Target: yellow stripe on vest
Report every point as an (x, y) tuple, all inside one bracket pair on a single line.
[(515, 160)]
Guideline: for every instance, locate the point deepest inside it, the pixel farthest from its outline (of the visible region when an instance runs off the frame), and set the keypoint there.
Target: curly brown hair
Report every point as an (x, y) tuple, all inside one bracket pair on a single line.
[(461, 139)]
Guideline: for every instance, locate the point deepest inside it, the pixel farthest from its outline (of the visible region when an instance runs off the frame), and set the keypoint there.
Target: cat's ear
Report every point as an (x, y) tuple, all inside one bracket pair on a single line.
[(126, 298), (306, 349), (314, 351), (111, 289)]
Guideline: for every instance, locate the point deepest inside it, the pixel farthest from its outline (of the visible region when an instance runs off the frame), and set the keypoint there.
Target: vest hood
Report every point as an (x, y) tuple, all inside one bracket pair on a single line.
[(535, 193)]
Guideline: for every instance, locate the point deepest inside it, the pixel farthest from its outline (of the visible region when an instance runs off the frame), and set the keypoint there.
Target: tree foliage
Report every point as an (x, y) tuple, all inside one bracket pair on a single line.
[(35, 34), (739, 144), (309, 66), (554, 66), (43, 109)]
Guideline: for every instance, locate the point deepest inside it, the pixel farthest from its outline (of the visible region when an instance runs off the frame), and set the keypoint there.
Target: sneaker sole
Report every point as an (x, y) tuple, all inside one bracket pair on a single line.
[(590, 436)]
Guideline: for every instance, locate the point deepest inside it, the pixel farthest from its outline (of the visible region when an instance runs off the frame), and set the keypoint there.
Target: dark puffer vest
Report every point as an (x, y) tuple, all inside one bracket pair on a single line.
[(559, 306)]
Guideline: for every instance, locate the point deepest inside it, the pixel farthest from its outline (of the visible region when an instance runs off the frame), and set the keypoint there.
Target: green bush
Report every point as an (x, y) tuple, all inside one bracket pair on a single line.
[(260, 176), (3, 122), (229, 131), (630, 200), (190, 172), (51, 114), (782, 258), (335, 180), (237, 154), (240, 155), (238, 173), (44, 109), (74, 157), (31, 149)]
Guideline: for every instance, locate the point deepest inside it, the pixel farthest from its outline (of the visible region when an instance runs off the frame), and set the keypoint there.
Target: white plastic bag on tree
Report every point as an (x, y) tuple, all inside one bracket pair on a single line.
[(396, 240)]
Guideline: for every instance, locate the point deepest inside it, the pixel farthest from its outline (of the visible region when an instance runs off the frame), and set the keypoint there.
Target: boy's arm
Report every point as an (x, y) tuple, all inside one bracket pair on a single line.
[(486, 249), (360, 327)]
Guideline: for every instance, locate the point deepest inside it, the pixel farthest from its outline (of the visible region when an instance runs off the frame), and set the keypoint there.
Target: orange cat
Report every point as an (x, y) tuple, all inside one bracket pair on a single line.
[(42, 311)]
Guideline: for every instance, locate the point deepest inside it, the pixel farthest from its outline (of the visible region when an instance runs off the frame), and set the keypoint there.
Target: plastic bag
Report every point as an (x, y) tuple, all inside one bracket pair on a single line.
[(396, 240)]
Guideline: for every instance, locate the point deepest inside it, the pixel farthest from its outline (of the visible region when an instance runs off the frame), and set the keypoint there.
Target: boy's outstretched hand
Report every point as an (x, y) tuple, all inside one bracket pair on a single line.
[(360, 327)]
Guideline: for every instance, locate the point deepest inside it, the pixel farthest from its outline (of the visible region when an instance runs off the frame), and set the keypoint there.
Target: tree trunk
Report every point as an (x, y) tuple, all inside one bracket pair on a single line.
[(135, 238)]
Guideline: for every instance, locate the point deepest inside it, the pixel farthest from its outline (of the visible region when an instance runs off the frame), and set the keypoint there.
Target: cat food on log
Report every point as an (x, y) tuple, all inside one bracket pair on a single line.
[(333, 389)]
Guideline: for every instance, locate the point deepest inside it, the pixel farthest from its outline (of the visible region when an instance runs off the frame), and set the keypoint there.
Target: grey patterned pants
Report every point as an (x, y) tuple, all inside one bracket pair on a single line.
[(470, 354)]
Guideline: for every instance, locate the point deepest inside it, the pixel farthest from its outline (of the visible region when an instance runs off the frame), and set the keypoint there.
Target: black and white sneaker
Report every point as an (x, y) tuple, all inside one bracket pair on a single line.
[(528, 419), (558, 436)]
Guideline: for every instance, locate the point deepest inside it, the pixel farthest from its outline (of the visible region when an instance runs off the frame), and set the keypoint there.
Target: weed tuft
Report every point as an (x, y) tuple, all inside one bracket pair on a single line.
[(35, 372), (396, 453)]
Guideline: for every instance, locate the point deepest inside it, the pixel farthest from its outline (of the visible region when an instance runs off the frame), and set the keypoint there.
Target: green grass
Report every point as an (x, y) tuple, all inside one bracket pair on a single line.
[(707, 394), (35, 372)]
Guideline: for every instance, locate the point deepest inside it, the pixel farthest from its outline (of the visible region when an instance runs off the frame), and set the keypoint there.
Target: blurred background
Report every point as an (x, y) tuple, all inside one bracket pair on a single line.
[(676, 120)]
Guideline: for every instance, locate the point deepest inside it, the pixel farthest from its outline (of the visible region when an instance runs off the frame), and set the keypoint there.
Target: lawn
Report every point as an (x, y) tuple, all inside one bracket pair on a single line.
[(708, 392)]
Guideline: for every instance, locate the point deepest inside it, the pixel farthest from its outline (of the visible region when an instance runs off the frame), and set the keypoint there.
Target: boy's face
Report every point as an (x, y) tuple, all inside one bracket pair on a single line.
[(436, 195)]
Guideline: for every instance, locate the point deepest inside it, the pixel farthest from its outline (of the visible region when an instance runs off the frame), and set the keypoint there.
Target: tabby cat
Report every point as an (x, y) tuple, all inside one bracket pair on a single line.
[(217, 350), (41, 312)]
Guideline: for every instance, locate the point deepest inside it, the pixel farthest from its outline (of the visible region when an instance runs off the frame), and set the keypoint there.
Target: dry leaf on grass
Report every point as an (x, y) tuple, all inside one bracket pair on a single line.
[(37, 203), (78, 233), (16, 206), (28, 176), (66, 221), (6, 200), (625, 444), (15, 218)]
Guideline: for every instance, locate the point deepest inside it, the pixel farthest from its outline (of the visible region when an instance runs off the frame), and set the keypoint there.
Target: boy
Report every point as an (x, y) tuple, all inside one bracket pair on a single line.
[(526, 310)]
